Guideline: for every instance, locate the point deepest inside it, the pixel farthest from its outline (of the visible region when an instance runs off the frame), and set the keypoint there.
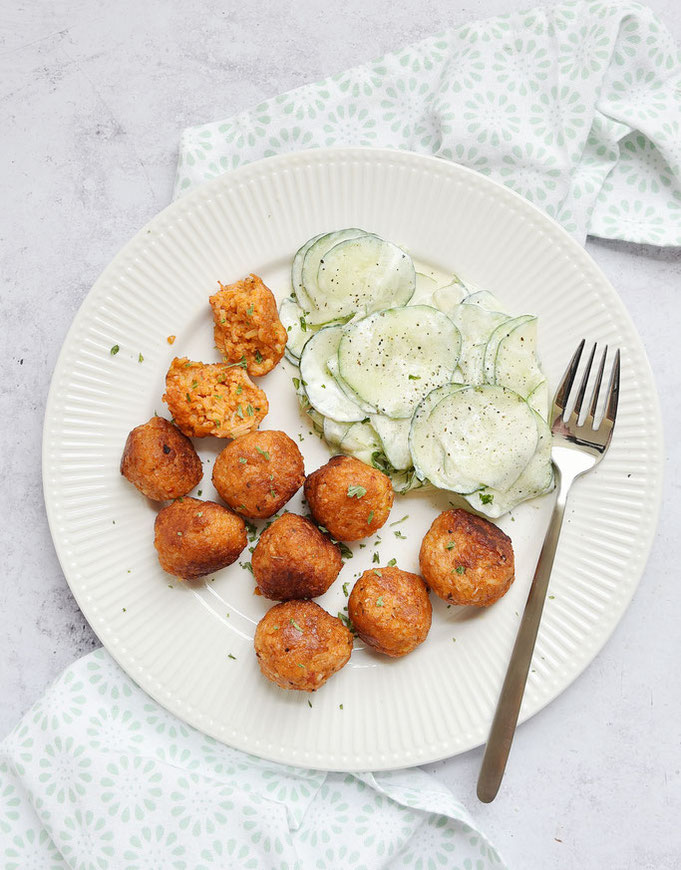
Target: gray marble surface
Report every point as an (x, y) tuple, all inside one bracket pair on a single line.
[(94, 95)]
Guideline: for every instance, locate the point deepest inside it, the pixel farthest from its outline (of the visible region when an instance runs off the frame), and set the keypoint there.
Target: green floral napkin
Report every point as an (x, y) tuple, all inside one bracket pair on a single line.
[(577, 107), (98, 776)]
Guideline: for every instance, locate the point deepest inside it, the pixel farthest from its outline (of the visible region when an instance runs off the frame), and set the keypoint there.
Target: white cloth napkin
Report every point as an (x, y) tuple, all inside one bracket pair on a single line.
[(97, 776), (577, 107)]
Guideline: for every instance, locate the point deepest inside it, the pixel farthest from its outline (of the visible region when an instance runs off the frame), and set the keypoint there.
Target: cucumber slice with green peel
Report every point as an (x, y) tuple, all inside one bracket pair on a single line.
[(516, 365), (423, 290), (421, 441), (318, 247), (394, 435), (334, 432), (333, 367), (538, 399), (536, 479), (502, 331), (479, 437), (321, 387), (394, 358), (297, 267), (485, 299), (476, 324), (448, 298), (364, 273), (292, 317), (362, 442)]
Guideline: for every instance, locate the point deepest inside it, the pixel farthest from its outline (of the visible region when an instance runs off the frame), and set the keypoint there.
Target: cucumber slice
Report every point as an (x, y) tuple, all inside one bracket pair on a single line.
[(498, 335), (332, 366), (423, 290), (334, 431), (476, 324), (394, 435), (321, 387), (538, 399), (515, 363), (479, 437), (448, 298), (485, 299), (536, 479), (307, 289), (394, 358), (421, 441), (292, 317), (297, 268), (362, 442), (365, 273)]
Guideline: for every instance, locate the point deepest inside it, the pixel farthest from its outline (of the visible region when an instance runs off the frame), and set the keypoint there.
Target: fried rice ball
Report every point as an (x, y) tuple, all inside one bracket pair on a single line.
[(299, 645), (247, 325), (194, 538), (390, 610), (293, 559), (466, 559), (349, 498), (160, 461), (256, 474), (213, 399)]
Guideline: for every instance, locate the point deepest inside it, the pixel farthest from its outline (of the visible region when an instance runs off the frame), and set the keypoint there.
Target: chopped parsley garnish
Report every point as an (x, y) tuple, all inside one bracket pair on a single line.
[(249, 410), (347, 622), (397, 522), (295, 625), (376, 558), (414, 377), (379, 601), (460, 569), (370, 518), (340, 706), (188, 397), (114, 350), (296, 383), (249, 311), (377, 572), (398, 534), (240, 411), (242, 363), (346, 552), (246, 566), (243, 460), (199, 492), (309, 702), (230, 656), (345, 589), (258, 356), (239, 390), (303, 324), (263, 452), (140, 358), (486, 497), (200, 514), (300, 665), (392, 563), (450, 545), (355, 491)]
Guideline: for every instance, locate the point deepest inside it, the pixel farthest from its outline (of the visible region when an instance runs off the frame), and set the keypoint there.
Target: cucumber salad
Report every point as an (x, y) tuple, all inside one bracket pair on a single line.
[(435, 385)]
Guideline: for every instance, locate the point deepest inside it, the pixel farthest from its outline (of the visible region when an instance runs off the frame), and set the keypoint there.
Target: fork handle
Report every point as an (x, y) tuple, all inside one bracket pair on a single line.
[(510, 699)]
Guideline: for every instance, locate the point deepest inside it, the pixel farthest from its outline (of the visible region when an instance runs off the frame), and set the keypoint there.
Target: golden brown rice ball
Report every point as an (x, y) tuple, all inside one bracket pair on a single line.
[(299, 645), (194, 538), (390, 610), (466, 559), (160, 461), (213, 399), (247, 325), (293, 559), (256, 474), (349, 498)]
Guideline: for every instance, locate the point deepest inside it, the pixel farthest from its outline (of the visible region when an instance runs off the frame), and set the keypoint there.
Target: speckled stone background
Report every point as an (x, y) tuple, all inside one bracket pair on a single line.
[(93, 96)]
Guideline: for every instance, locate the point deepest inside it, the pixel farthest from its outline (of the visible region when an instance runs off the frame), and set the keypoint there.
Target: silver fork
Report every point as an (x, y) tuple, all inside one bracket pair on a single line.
[(577, 448)]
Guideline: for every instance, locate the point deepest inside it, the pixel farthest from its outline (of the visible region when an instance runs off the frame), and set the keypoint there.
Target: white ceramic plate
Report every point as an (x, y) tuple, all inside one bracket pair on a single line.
[(175, 641)]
